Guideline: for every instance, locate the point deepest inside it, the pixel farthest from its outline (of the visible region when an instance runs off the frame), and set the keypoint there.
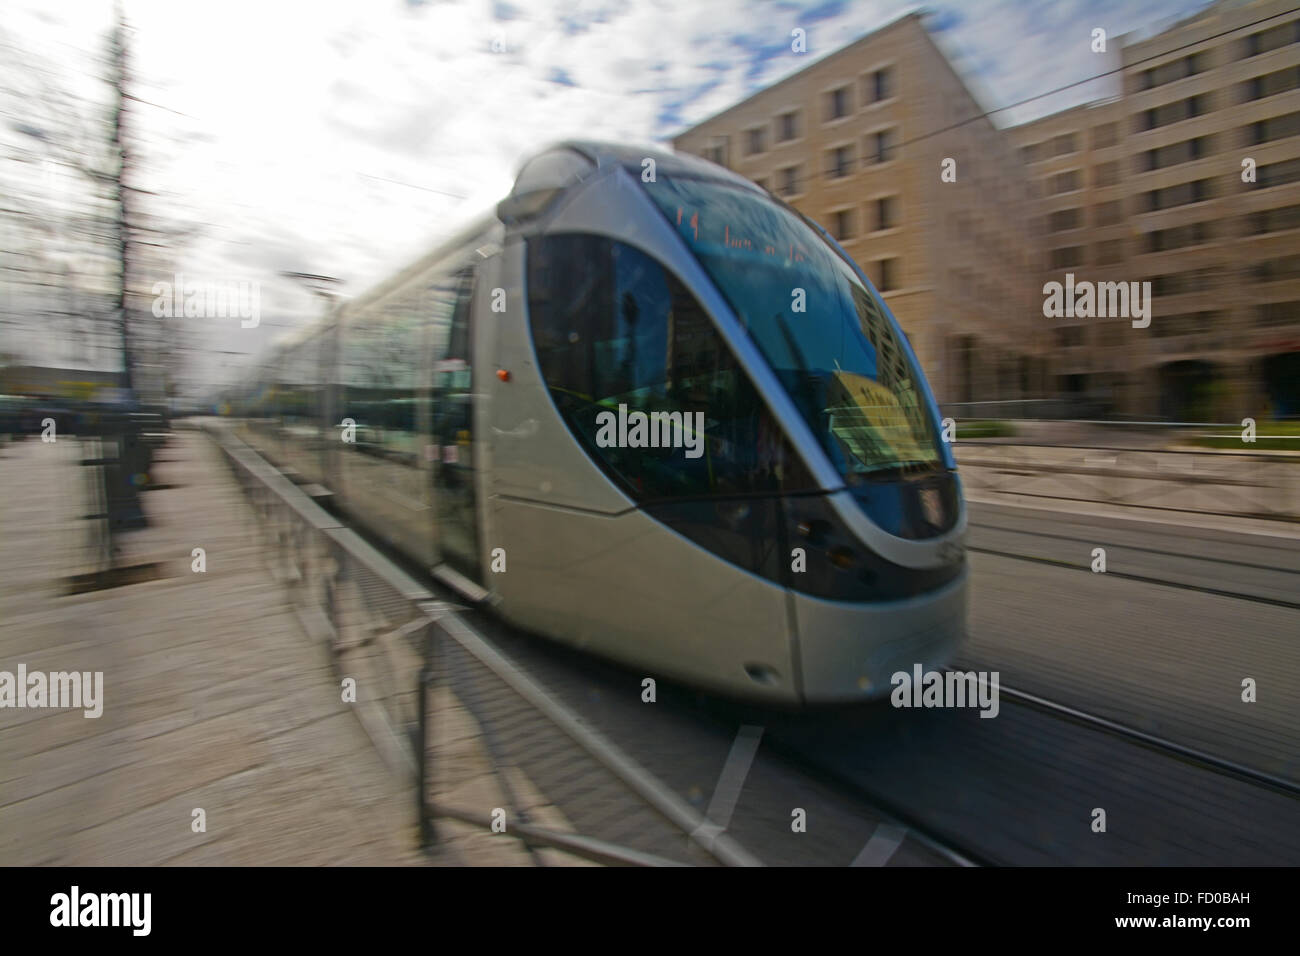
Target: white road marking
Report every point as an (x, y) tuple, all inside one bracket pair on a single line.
[(732, 779), (882, 845)]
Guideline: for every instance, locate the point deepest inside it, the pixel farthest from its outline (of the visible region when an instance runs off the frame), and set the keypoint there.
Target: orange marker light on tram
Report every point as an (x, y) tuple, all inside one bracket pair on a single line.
[(503, 374)]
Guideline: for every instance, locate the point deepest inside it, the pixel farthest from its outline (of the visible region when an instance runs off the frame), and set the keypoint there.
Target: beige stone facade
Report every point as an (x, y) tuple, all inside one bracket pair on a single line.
[(1160, 198), (1145, 186)]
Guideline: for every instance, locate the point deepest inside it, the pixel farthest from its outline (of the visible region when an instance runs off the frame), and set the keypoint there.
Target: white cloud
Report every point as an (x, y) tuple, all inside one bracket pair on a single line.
[(324, 136)]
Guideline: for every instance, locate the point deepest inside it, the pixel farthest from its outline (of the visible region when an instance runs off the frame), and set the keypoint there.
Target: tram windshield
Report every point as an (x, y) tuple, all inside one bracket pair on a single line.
[(824, 333)]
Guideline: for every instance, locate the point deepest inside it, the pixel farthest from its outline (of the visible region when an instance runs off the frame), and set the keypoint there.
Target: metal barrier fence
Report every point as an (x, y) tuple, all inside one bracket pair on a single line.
[(1225, 483), (412, 657), (113, 462), (98, 547)]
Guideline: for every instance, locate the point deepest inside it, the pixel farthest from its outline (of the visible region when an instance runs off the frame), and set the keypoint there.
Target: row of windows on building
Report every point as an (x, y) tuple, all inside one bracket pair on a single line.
[(840, 162), (1112, 212), (1194, 64), (1199, 147), (880, 214), (1154, 200), (878, 148), (1200, 322), (877, 87), (1243, 48), (1107, 134), (1263, 222), (1108, 173), (1278, 269)]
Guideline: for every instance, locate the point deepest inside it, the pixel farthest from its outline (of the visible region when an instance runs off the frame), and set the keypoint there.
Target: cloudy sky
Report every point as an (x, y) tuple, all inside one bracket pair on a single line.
[(344, 138)]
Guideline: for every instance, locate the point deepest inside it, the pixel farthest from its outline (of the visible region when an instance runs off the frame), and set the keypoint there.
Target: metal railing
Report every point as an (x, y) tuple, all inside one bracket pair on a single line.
[(113, 459), (413, 658)]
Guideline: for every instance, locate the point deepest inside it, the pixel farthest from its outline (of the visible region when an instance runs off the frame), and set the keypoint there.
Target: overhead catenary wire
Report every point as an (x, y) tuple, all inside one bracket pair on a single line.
[(986, 114)]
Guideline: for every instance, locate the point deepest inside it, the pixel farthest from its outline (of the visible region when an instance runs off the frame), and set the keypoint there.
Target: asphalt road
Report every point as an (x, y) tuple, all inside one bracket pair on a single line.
[(1161, 643)]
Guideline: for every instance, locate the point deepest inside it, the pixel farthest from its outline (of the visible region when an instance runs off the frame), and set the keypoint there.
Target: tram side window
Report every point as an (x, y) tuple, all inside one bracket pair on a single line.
[(453, 403), (380, 356), (617, 334), (297, 396)]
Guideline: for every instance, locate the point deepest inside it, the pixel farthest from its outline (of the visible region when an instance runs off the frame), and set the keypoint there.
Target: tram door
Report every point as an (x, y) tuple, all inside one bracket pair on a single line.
[(455, 504)]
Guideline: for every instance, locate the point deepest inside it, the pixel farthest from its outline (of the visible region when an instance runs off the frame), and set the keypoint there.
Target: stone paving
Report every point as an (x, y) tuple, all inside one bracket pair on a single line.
[(213, 697)]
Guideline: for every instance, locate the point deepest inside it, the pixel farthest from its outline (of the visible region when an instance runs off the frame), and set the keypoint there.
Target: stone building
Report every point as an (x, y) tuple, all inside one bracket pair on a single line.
[(858, 141), (1149, 187)]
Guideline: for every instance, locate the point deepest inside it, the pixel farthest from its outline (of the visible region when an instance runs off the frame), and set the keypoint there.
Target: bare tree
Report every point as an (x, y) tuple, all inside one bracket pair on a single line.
[(77, 237)]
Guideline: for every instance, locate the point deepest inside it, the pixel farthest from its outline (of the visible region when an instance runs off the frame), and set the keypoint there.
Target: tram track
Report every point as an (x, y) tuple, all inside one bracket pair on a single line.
[(1141, 578), (965, 792), (1155, 742)]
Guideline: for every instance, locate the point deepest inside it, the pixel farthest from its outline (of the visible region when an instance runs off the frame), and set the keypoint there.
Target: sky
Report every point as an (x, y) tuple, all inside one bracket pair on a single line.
[(345, 137)]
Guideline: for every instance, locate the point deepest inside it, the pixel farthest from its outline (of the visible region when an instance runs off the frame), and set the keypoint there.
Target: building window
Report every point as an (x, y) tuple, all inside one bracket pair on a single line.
[(1278, 313), (1064, 219), (1105, 174), (1175, 112), (1273, 128), (1178, 237), (1271, 39), (755, 141), (1064, 144), (1065, 182), (716, 155), (1030, 154), (842, 224), (1181, 283), (1277, 270), (787, 126), (839, 162), (837, 104), (1273, 220), (1108, 213), (886, 213), (1275, 174), (1110, 252), (1270, 84), (1066, 257), (1180, 195), (789, 180), (1107, 134), (884, 145), (1173, 154), (886, 271), (880, 85), (1173, 70)]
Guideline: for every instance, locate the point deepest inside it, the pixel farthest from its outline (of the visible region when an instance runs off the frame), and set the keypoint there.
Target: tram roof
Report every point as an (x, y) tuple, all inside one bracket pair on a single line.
[(631, 157)]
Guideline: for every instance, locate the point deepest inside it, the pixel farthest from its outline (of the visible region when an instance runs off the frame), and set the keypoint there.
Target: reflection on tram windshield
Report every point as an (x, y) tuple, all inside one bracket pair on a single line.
[(822, 331)]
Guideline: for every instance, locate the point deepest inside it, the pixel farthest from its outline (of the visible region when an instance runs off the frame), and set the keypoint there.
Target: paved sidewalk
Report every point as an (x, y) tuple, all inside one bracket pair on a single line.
[(213, 697)]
